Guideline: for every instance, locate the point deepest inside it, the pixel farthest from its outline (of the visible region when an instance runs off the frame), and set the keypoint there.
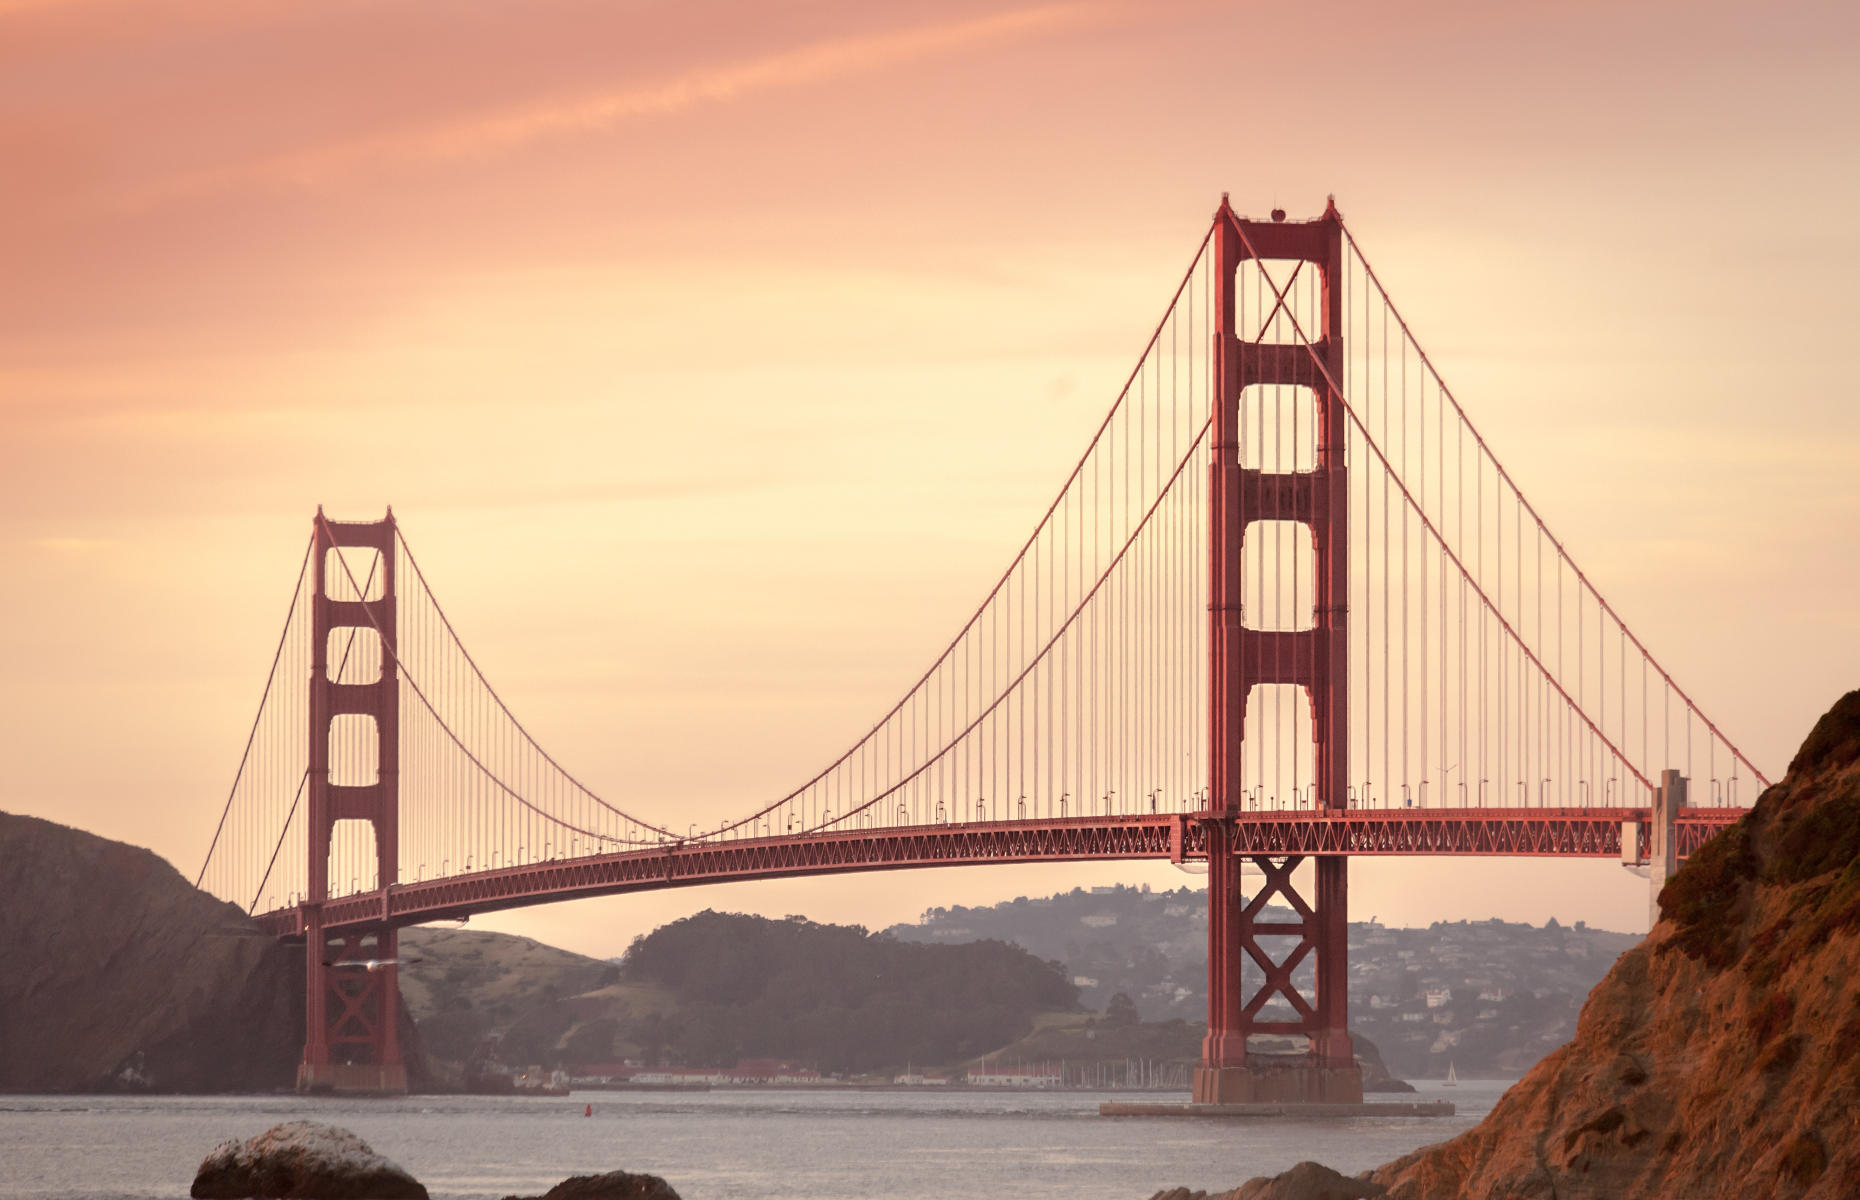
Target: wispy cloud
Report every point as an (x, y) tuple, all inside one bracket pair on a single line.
[(600, 111)]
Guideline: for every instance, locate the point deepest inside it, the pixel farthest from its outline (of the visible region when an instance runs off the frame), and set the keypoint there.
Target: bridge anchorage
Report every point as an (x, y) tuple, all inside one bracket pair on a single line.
[(1287, 609)]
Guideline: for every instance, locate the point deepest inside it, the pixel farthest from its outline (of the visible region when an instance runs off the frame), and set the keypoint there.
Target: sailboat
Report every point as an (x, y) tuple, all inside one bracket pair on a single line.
[(1453, 1077)]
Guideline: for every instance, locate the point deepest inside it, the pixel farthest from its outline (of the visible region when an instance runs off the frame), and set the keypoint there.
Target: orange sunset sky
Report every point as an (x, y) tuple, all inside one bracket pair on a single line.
[(716, 357)]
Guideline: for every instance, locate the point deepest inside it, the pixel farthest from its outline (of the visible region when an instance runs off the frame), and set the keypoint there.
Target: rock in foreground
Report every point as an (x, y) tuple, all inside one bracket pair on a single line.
[(1306, 1181), (302, 1160), (615, 1185)]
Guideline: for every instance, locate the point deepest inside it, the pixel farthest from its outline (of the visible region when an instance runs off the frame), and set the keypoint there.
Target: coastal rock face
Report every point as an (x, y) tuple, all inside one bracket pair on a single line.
[(1722, 1056), (1376, 1077), (302, 1159), (615, 1185), (119, 975)]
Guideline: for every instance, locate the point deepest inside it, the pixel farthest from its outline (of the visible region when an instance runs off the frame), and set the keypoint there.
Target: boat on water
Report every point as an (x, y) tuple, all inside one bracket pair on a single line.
[(1453, 1076)]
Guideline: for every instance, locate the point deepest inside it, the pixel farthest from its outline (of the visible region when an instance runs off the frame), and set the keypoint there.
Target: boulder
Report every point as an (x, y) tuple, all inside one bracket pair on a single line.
[(1306, 1181), (302, 1159), (615, 1185)]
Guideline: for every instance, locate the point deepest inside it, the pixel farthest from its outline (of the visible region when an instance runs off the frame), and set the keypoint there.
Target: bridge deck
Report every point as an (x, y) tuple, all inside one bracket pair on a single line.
[(1546, 832)]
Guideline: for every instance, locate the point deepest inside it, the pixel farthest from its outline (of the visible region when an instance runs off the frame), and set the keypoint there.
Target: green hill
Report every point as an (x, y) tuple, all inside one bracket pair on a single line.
[(835, 995), (718, 987)]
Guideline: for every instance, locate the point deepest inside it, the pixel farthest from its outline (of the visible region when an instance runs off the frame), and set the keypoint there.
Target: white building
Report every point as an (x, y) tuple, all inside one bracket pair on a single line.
[(1040, 1076)]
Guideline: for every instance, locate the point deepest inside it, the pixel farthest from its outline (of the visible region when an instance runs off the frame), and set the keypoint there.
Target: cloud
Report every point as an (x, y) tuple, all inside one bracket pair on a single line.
[(600, 111)]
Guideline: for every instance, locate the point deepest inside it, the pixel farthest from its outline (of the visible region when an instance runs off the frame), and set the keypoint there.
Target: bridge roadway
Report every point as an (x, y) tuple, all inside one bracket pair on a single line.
[(1543, 832)]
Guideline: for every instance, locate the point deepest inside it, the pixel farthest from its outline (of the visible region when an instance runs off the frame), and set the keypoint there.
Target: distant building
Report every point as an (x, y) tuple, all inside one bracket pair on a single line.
[(770, 1070), (687, 1076), (1037, 1076)]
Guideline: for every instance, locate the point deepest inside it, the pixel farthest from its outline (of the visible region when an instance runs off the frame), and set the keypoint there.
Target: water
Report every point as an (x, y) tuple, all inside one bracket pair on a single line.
[(726, 1145)]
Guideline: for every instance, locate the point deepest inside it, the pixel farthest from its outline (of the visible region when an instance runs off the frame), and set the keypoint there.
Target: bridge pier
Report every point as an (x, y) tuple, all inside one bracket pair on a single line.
[(1230, 1073), (1663, 842)]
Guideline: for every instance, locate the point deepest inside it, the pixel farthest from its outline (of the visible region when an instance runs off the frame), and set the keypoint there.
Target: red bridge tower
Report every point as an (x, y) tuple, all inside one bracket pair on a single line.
[(352, 1035), (1314, 659)]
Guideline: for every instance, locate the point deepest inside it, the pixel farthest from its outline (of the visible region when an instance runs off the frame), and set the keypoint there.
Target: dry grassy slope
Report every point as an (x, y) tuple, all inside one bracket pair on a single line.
[(1722, 1056), (496, 970), (470, 985)]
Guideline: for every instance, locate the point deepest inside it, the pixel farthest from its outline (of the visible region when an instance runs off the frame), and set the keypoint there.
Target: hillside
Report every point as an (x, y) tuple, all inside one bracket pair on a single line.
[(119, 975), (718, 987), (472, 991), (1722, 1056), (836, 996), (1491, 997)]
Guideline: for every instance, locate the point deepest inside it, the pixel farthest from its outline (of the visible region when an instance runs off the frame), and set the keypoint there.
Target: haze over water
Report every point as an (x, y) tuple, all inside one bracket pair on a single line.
[(724, 1145)]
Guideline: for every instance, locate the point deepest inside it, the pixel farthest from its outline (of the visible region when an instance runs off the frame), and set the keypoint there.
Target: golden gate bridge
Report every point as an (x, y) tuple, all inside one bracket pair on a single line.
[(1287, 608)]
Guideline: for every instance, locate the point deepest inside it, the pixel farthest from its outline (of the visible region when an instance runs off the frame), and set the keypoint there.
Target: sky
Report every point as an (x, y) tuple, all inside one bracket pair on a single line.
[(716, 357)]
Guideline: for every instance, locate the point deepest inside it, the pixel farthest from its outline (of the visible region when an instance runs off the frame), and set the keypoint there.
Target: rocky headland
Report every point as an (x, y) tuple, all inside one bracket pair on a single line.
[(119, 975), (1721, 1057)]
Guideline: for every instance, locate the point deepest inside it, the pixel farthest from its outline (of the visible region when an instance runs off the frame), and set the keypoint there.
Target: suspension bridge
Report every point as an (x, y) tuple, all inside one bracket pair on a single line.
[(1288, 607)]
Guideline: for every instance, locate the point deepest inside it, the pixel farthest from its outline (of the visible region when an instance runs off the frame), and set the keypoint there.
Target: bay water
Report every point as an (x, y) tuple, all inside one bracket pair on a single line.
[(722, 1145)]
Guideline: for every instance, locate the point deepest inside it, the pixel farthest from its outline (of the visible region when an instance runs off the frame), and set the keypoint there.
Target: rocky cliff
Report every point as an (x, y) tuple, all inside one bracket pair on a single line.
[(117, 974), (1722, 1056)]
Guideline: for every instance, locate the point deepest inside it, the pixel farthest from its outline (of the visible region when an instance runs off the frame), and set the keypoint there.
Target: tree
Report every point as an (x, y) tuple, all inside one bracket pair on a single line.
[(1121, 1012)]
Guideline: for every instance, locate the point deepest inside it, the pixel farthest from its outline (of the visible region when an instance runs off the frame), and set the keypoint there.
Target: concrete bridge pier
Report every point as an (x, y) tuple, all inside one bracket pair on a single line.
[(1663, 840)]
